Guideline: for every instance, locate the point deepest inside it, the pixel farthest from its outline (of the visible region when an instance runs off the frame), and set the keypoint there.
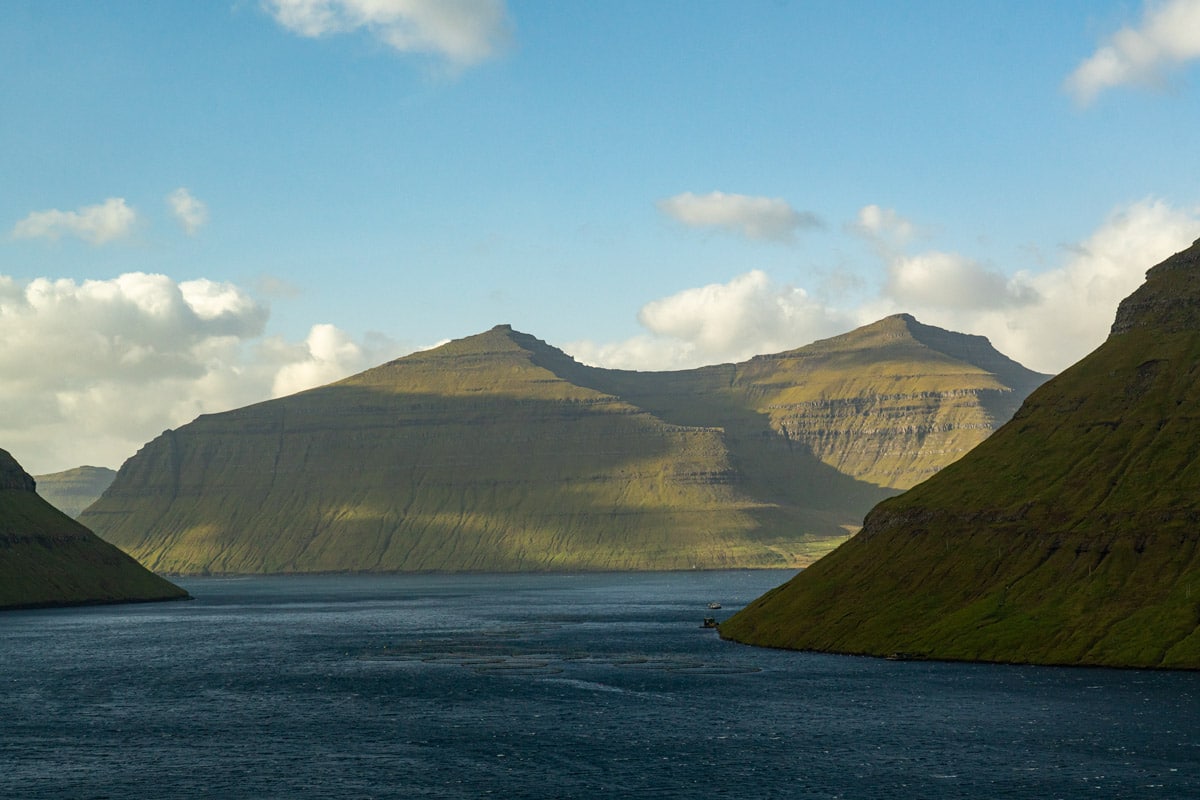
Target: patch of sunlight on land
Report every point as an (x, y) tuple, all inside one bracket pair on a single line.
[(353, 512)]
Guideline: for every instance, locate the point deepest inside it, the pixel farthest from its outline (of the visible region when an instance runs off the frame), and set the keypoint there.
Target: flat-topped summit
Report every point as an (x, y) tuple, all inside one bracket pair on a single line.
[(501, 452), (1070, 536), (73, 490)]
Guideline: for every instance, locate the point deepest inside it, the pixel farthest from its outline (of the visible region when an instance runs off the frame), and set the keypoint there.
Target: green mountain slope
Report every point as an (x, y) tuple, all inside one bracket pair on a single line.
[(499, 452), (48, 559), (1068, 537), (73, 490)]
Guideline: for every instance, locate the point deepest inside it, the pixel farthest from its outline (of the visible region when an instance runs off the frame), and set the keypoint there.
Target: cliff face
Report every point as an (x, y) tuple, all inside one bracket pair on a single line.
[(73, 490), (894, 402), (48, 559), (499, 452), (1070, 536)]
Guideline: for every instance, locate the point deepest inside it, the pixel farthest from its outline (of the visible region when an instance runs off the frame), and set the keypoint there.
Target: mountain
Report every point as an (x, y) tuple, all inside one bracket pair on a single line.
[(48, 559), (498, 452), (75, 489), (1068, 537)]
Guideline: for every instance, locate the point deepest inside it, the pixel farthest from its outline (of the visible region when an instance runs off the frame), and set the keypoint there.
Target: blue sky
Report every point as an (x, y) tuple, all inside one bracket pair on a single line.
[(208, 204)]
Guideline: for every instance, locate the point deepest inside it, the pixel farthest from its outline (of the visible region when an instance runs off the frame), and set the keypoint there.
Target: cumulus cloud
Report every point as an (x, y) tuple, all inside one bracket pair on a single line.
[(97, 224), (465, 32), (325, 356), (1047, 319), (883, 227), (1167, 36), (767, 218), (749, 315), (95, 369), (190, 212), (952, 281)]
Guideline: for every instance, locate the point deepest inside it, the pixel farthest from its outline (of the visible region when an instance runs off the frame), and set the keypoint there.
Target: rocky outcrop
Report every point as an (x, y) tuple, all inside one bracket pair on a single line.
[(1068, 537), (12, 477), (1168, 302), (499, 452), (48, 559)]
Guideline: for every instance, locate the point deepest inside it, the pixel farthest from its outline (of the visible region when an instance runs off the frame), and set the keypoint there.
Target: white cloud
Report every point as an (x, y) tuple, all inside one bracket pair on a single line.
[(1047, 320), (951, 281), (327, 355), (95, 369), (190, 212), (733, 321), (464, 32), (883, 226), (770, 218), (1167, 36), (1050, 319), (97, 224)]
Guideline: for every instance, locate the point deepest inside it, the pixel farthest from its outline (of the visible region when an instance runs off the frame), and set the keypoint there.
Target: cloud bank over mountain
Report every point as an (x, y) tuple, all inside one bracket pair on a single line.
[(141, 352), (133, 355), (1045, 319)]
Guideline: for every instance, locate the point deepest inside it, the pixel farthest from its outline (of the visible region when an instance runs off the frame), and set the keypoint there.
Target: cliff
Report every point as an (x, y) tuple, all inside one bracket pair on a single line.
[(48, 559), (1068, 537), (73, 490), (499, 452)]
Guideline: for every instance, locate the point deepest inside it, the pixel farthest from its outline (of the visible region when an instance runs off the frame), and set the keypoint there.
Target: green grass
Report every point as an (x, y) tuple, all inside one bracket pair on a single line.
[(47, 559), (500, 453), (1068, 537)]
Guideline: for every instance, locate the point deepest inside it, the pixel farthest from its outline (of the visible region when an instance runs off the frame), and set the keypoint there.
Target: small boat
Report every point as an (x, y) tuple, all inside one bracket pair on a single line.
[(714, 606), (709, 622)]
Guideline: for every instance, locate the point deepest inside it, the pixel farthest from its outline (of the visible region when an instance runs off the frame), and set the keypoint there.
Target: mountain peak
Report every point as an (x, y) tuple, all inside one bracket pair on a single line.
[(1068, 536), (12, 476), (1169, 300), (50, 559), (907, 330)]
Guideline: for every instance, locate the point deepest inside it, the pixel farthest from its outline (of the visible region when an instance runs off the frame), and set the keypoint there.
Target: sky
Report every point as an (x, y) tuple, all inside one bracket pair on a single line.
[(209, 204)]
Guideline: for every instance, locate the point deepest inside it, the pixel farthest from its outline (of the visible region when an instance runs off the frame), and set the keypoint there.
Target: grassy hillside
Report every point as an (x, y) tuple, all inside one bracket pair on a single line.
[(73, 490), (1068, 537), (498, 452), (48, 559)]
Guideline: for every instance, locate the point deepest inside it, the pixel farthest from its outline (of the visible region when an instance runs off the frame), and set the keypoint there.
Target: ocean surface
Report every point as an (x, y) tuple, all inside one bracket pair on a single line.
[(545, 686)]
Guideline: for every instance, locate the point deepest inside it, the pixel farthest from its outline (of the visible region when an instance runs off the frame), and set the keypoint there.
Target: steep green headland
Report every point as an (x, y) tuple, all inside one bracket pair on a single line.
[(1068, 537), (75, 489), (499, 452), (48, 559)]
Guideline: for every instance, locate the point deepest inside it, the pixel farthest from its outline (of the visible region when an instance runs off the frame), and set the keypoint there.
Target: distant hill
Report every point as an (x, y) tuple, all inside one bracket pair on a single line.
[(1069, 537), (499, 452), (48, 559), (75, 489)]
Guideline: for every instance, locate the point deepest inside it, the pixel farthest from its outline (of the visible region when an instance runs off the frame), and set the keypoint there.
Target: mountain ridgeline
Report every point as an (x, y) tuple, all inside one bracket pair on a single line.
[(498, 452), (75, 489), (1068, 537), (48, 559)]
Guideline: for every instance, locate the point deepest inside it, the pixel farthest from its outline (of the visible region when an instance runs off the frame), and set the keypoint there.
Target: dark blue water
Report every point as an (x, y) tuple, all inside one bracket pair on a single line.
[(545, 686)]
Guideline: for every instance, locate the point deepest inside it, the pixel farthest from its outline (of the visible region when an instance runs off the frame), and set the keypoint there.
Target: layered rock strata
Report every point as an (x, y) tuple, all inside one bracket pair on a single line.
[(499, 452), (1068, 537)]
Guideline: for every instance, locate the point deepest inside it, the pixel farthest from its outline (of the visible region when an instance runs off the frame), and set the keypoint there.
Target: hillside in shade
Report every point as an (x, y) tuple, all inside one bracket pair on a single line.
[(499, 452), (48, 559), (1068, 537), (73, 490)]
